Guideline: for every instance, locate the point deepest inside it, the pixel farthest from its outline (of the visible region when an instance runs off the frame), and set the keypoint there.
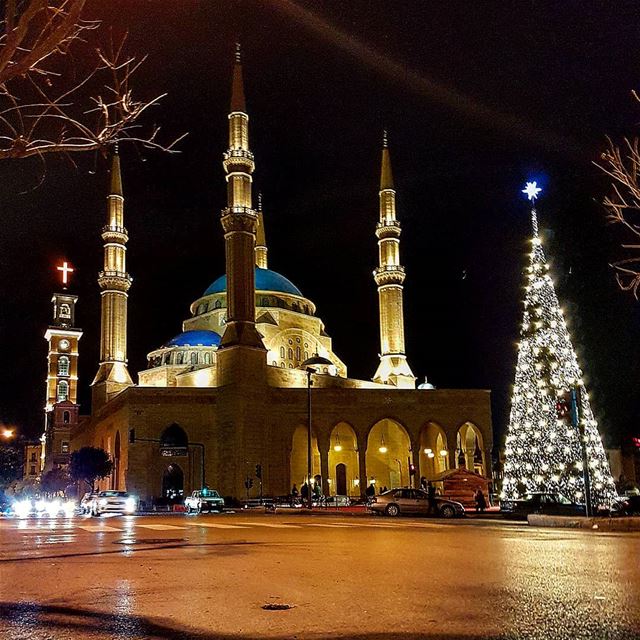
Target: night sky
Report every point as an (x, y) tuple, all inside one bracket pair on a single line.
[(477, 98)]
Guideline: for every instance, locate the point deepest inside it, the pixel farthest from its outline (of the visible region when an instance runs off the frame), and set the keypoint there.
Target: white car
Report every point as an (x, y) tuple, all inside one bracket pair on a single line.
[(113, 502), (205, 500)]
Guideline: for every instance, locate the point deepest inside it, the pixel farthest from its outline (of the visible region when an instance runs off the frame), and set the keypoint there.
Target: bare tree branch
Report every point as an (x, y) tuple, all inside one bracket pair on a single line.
[(622, 164), (44, 107)]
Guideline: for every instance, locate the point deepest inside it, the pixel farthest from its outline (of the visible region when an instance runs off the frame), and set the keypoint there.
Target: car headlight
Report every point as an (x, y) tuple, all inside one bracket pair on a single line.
[(53, 507), (102, 502), (69, 508), (22, 508), (130, 504)]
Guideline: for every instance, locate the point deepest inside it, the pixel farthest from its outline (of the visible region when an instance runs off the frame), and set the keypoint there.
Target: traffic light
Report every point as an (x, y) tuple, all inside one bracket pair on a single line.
[(259, 471), (563, 407)]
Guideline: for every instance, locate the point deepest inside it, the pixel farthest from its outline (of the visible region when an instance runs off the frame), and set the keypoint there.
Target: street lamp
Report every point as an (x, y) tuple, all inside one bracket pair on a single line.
[(307, 365), (7, 433)]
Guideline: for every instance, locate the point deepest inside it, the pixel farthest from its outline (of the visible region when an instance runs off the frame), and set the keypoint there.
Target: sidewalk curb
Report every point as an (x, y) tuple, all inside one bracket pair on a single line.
[(580, 522)]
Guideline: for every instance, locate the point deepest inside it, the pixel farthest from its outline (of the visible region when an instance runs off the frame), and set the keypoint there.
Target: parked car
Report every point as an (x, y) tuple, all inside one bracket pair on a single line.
[(413, 501), (86, 501), (553, 504), (113, 502), (204, 500)]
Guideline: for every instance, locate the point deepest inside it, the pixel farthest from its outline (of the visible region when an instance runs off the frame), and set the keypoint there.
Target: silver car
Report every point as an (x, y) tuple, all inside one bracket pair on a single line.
[(414, 502), (113, 502)]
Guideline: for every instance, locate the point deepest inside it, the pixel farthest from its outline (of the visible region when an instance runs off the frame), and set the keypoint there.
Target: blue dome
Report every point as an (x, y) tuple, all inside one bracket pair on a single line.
[(195, 338), (266, 280)]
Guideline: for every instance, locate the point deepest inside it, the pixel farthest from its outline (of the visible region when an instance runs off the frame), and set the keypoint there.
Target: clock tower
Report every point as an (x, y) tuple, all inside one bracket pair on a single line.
[(61, 408)]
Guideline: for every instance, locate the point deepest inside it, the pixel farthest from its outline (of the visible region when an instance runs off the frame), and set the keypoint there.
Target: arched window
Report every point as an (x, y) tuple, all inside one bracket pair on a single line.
[(65, 311), (306, 355), (290, 365), (167, 357), (66, 417), (63, 391), (205, 307), (194, 357), (174, 436), (207, 358), (282, 352), (274, 363), (290, 354), (282, 365), (218, 304), (179, 357), (297, 353), (63, 366)]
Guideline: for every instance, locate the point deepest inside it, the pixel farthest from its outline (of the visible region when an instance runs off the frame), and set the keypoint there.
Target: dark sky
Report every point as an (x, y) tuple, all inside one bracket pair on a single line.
[(477, 97)]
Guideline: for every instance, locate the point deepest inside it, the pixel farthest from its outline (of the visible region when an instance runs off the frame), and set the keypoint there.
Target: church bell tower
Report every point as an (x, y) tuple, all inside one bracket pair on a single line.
[(61, 408), (389, 277)]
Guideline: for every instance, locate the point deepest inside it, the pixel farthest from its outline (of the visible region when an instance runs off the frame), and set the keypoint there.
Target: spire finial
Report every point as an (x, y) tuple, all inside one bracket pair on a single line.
[(116, 175), (386, 176), (237, 86), (238, 53), (385, 139)]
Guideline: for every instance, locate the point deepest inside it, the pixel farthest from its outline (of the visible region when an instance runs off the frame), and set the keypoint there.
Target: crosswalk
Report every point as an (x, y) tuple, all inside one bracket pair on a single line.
[(116, 525)]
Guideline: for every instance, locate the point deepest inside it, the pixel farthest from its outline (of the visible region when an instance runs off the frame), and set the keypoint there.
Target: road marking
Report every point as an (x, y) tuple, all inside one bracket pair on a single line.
[(332, 526), (159, 527), (98, 528), (271, 525), (216, 525)]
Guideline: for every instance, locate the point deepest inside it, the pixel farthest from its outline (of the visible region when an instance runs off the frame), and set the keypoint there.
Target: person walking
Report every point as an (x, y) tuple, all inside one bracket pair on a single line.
[(432, 509), (294, 495), (481, 503), (304, 492), (423, 483)]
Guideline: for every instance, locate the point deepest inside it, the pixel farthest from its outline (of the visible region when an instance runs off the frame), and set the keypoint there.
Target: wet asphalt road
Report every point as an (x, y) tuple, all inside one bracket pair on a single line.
[(208, 577)]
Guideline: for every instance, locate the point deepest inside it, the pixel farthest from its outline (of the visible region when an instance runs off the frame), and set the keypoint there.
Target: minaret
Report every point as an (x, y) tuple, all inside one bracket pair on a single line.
[(261, 239), (389, 276), (240, 223), (113, 374), (61, 409)]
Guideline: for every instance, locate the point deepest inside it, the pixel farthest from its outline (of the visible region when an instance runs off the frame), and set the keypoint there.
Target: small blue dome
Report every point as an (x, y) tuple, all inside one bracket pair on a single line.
[(266, 280), (195, 338)]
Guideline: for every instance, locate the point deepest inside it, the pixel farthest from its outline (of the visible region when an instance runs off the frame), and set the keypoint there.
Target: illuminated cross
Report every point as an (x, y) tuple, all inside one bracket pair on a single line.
[(66, 270), (532, 190)]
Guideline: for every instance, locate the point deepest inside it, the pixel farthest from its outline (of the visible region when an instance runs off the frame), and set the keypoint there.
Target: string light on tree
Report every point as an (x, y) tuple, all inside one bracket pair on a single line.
[(543, 447)]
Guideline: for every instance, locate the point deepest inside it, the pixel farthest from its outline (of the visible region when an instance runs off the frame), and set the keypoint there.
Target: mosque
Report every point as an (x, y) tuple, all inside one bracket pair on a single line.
[(228, 401)]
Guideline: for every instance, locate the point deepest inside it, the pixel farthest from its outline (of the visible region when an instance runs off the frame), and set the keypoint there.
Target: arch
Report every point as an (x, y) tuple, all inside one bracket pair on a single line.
[(298, 458), (173, 482), (65, 310), (115, 474), (62, 392), (344, 458), (194, 357), (63, 366), (66, 417), (470, 448), (207, 357), (434, 450), (218, 304), (388, 455), (174, 436)]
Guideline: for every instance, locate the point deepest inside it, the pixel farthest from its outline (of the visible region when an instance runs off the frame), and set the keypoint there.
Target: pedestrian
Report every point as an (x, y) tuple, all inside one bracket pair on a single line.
[(423, 483), (294, 495), (431, 499), (384, 489), (370, 490), (481, 503), (304, 492)]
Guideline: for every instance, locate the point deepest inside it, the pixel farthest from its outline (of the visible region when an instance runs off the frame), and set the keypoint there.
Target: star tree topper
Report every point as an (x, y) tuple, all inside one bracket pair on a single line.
[(532, 190)]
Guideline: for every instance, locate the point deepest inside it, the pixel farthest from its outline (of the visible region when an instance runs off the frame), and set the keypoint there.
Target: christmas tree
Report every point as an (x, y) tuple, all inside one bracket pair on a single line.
[(548, 439)]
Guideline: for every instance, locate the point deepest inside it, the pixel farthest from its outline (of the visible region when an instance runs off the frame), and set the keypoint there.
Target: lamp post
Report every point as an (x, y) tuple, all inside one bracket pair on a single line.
[(307, 366)]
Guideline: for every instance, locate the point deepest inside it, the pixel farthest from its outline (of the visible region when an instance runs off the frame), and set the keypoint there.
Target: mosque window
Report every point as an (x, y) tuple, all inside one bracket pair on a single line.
[(194, 357), (207, 358), (65, 311), (306, 355), (63, 366), (64, 447), (62, 391), (179, 357), (290, 341), (306, 345), (290, 365), (298, 340), (274, 363), (205, 307), (282, 365), (218, 304), (66, 416), (282, 352), (290, 352), (297, 353), (167, 357)]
